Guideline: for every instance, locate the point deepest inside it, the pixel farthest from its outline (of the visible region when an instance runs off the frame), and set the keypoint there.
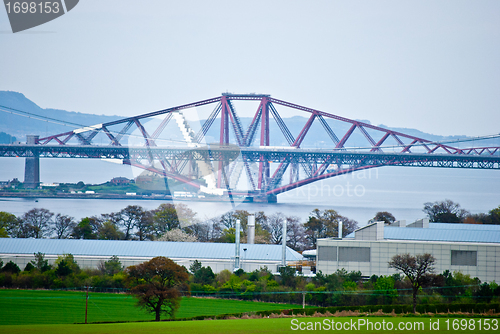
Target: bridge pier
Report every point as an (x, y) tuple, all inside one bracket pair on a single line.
[(265, 199), (32, 166)]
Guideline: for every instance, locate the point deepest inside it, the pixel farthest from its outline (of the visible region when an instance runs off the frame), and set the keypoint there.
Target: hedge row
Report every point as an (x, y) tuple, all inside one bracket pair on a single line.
[(398, 309)]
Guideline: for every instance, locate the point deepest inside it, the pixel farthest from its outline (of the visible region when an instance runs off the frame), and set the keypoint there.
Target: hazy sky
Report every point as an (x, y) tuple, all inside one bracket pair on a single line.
[(430, 65)]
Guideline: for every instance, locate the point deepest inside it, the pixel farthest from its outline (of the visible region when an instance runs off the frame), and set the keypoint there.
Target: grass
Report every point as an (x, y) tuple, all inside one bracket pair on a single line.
[(250, 326), (67, 307)]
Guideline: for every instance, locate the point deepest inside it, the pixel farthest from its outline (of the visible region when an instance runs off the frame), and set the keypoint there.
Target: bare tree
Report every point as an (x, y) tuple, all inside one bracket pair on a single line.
[(201, 231), (129, 218), (63, 226), (445, 212), (416, 268), (275, 227), (36, 223), (144, 226), (348, 225), (296, 233)]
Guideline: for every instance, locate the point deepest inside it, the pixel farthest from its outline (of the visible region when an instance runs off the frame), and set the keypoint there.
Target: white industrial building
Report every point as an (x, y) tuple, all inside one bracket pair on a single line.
[(470, 249), (88, 253)]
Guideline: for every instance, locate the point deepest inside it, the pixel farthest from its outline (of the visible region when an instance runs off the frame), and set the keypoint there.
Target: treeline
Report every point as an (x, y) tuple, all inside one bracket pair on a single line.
[(65, 273), (448, 211), (171, 222), (341, 288), (175, 223)]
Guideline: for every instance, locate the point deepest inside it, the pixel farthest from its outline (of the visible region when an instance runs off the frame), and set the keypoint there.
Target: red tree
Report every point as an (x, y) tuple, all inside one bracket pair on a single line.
[(157, 284)]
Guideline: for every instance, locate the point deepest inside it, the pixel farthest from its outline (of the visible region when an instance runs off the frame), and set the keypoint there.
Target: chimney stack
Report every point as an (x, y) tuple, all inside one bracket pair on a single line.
[(237, 250), (283, 242), (251, 229)]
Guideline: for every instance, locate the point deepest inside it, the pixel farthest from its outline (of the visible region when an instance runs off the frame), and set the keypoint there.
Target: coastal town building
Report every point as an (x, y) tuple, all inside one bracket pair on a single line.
[(471, 249)]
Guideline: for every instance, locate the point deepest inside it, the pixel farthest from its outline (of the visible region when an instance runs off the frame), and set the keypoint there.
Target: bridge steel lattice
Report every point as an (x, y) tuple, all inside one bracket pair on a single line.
[(269, 170)]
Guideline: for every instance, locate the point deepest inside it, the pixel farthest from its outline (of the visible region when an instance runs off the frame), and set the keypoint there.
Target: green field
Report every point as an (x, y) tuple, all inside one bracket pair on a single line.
[(247, 326), (66, 307)]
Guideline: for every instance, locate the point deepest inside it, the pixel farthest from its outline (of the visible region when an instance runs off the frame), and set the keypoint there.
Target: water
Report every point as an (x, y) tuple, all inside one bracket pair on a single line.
[(399, 190)]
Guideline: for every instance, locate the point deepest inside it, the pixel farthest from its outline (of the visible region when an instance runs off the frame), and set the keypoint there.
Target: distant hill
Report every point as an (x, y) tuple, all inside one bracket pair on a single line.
[(19, 126), (6, 138)]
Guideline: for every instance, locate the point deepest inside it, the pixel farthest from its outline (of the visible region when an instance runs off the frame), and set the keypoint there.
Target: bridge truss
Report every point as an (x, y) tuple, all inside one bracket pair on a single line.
[(240, 149)]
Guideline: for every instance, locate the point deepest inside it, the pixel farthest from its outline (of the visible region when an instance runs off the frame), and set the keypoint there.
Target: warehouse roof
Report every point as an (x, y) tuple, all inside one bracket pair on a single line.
[(435, 233), (444, 232), (127, 248)]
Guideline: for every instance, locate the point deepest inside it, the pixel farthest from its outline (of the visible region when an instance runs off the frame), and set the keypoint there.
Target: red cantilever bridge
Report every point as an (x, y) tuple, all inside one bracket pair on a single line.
[(245, 152)]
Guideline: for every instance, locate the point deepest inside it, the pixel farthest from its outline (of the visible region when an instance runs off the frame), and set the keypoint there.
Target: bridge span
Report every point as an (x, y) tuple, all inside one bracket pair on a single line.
[(268, 170)]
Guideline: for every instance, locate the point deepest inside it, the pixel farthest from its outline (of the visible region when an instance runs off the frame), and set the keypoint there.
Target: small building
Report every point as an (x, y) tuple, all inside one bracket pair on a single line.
[(120, 181), (88, 253), (467, 248)]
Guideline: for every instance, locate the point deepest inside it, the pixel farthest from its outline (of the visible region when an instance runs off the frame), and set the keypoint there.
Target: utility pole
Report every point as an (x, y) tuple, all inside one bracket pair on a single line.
[(86, 303)]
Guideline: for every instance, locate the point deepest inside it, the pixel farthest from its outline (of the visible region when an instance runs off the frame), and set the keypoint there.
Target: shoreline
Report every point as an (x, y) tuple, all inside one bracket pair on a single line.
[(116, 197)]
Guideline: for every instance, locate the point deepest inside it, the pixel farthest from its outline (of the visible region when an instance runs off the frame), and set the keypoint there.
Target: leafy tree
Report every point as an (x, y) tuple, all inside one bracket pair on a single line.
[(66, 265), (157, 285), (177, 234), (445, 212), (11, 267), (111, 267), (384, 216), (29, 267), (195, 266), (494, 216), (36, 223), (229, 235), (321, 225), (109, 231), (9, 225), (484, 293), (87, 228), (325, 224), (385, 290), (164, 219), (287, 276), (204, 275), (416, 268), (63, 269), (63, 226), (40, 263)]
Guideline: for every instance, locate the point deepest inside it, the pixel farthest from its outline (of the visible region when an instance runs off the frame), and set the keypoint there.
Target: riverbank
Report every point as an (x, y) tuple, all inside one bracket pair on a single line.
[(39, 195)]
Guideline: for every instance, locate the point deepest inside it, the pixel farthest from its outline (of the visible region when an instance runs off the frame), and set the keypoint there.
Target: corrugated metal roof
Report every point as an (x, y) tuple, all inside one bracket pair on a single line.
[(446, 234), (443, 232), (475, 227), (108, 248)]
